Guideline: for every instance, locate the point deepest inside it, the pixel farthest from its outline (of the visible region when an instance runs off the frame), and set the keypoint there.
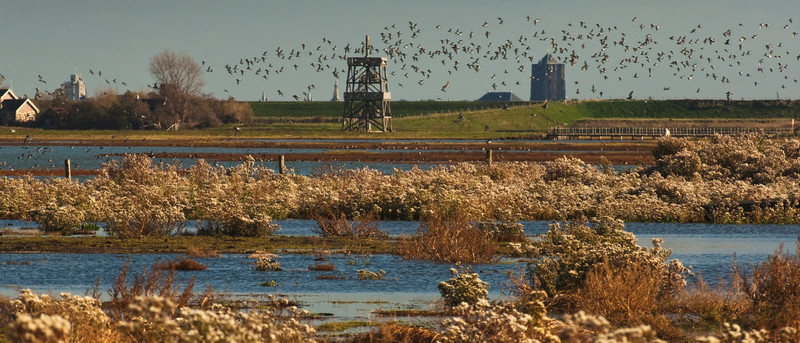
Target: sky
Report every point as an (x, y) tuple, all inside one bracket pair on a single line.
[(667, 49)]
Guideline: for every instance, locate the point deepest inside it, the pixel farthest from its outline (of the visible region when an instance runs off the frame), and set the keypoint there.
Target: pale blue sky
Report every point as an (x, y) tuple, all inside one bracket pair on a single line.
[(52, 38)]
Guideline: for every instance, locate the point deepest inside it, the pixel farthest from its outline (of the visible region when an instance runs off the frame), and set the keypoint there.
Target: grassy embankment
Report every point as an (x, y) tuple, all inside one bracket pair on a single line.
[(481, 120), (182, 244)]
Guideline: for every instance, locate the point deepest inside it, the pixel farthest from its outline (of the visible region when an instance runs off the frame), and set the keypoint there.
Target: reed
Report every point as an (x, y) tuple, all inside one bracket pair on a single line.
[(627, 295), (150, 282), (331, 223), (201, 252), (397, 332), (452, 239), (774, 288)]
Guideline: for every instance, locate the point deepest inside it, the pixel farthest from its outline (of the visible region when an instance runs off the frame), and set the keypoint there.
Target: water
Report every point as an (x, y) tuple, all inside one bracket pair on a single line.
[(709, 248), (93, 157)]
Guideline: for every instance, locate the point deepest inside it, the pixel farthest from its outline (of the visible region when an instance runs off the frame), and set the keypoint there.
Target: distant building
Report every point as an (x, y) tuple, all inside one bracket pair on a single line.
[(75, 88), (500, 96), (336, 91), (547, 80), (16, 109), (6, 94)]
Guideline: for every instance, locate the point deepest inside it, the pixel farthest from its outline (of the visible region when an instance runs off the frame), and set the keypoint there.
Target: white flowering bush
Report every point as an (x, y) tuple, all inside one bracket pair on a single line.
[(465, 286), (155, 319), (80, 318), (581, 327), (721, 179), (366, 274), (143, 200), (496, 322), (44, 329), (503, 231), (266, 263), (54, 218), (564, 257)]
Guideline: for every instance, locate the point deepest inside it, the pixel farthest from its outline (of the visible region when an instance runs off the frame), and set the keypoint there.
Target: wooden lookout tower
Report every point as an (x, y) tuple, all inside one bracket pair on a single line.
[(366, 96)]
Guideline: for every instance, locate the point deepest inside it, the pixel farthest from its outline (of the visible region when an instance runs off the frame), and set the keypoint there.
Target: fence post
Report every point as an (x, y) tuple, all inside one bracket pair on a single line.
[(282, 165), (67, 170), (489, 156)]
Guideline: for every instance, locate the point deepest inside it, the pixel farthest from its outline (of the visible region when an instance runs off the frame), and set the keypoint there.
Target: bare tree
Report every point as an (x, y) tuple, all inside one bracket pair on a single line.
[(180, 81)]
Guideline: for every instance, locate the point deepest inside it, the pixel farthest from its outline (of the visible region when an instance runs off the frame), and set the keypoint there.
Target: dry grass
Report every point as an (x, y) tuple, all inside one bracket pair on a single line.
[(330, 223), (204, 252), (151, 281), (182, 263), (626, 295), (450, 239), (397, 333), (774, 288), (727, 303)]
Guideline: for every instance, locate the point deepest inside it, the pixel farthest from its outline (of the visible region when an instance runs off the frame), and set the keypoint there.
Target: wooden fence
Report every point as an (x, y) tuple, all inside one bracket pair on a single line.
[(631, 133)]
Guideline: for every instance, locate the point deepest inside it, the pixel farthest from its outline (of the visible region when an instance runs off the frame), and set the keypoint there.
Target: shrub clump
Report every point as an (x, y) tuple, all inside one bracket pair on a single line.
[(465, 286), (266, 263), (565, 257), (337, 225), (774, 289), (503, 231), (451, 239), (259, 225), (497, 322), (65, 319), (366, 274), (54, 218), (153, 321), (181, 263)]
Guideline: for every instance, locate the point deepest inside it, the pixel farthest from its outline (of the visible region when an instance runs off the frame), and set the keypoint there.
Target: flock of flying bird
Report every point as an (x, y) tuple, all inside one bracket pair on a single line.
[(619, 52)]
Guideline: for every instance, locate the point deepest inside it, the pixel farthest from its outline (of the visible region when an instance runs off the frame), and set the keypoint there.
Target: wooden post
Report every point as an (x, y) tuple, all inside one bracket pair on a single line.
[(67, 170), (489, 156), (282, 165)]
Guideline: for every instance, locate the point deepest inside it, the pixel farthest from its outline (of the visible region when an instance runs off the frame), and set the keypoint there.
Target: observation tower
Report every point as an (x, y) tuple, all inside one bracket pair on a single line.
[(366, 95)]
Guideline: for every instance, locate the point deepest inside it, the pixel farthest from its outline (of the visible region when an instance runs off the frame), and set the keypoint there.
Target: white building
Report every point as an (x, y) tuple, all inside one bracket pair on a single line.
[(75, 87)]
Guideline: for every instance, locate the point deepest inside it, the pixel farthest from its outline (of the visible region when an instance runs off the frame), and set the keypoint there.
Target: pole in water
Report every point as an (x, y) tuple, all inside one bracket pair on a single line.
[(67, 170), (489, 156), (282, 165)]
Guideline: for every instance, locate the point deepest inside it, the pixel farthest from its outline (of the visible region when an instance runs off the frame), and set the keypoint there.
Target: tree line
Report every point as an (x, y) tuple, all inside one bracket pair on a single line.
[(176, 101)]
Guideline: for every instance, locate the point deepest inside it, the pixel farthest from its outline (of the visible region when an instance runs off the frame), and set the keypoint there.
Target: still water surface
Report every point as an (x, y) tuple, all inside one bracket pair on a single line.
[(710, 249)]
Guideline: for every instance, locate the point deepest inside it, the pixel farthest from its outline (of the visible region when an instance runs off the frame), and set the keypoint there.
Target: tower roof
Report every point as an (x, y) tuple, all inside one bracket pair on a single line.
[(548, 59)]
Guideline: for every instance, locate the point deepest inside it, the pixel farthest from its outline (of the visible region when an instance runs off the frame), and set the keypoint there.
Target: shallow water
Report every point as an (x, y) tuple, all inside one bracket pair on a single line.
[(93, 157), (709, 248)]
